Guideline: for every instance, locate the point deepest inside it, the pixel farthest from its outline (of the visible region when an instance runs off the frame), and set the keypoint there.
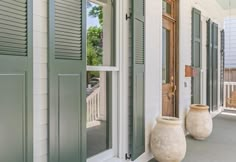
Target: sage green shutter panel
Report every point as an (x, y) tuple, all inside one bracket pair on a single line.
[(137, 136), (67, 80), (209, 63), (16, 81), (222, 51), (215, 67), (196, 55)]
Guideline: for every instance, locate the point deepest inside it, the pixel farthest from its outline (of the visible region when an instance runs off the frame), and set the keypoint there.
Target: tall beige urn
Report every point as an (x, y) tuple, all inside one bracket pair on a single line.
[(168, 143), (199, 122)]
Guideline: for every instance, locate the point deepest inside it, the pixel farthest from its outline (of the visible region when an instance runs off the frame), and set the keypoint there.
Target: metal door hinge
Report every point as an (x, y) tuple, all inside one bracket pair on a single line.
[(128, 16), (128, 156)]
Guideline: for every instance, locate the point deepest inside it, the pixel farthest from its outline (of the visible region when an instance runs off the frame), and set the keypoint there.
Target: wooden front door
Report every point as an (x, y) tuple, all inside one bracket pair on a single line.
[(168, 59)]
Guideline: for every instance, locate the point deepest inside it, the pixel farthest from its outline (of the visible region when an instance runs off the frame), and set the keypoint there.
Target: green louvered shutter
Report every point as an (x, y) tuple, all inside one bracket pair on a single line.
[(215, 67), (67, 80), (209, 63), (222, 66), (137, 138), (16, 81), (196, 55)]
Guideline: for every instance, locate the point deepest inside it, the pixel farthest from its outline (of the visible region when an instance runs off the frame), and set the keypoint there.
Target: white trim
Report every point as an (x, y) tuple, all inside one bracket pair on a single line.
[(102, 156), (124, 75)]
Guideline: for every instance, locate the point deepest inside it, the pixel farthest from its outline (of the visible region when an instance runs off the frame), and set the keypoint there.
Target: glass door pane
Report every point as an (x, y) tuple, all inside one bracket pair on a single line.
[(99, 126), (100, 42), (165, 55), (166, 7)]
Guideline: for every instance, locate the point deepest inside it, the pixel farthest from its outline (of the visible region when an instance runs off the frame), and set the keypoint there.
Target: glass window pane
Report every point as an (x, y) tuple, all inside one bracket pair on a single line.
[(166, 7), (100, 34), (99, 101), (165, 55)]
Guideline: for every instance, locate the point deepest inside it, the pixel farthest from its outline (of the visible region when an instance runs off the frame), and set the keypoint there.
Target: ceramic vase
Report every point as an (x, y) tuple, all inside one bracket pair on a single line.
[(199, 121), (168, 143)]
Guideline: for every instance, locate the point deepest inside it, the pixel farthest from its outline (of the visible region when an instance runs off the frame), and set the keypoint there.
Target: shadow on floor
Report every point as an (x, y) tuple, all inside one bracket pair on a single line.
[(220, 146)]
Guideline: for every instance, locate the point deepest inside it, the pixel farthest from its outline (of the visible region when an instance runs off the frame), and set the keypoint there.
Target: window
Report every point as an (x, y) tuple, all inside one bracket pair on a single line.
[(102, 74), (168, 7)]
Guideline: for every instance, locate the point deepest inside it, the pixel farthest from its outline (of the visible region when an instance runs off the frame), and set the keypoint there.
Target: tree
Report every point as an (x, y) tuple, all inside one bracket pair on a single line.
[(94, 39), (96, 11)]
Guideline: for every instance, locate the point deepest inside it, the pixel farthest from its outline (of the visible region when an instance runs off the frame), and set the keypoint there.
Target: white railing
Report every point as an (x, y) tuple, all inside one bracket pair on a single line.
[(229, 87), (93, 108)]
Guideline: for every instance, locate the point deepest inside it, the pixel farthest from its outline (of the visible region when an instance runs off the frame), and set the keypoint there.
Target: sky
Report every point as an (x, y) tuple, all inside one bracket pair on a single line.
[(91, 21)]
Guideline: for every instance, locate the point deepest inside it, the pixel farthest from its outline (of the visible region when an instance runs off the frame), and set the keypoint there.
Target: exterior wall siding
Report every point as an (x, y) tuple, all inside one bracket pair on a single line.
[(230, 42), (40, 80), (209, 9)]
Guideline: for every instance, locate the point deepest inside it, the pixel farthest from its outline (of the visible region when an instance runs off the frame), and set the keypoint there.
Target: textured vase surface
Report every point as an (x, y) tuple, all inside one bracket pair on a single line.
[(199, 122), (168, 143)]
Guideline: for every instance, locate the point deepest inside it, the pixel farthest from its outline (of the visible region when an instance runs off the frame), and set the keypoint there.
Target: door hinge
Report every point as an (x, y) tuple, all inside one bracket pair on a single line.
[(128, 16), (128, 156)]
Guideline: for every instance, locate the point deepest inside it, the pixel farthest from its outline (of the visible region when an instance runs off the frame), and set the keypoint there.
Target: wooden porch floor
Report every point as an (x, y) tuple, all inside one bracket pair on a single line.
[(96, 139), (220, 146)]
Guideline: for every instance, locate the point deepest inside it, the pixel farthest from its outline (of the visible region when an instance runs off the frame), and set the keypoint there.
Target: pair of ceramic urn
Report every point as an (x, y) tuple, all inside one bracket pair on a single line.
[(168, 142)]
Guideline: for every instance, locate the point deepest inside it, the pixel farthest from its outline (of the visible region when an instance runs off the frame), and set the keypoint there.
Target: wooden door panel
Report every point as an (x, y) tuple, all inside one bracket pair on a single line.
[(167, 101), (168, 67)]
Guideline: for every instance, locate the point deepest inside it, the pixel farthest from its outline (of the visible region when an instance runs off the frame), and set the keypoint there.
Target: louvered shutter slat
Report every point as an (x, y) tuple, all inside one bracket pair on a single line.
[(13, 27), (68, 29)]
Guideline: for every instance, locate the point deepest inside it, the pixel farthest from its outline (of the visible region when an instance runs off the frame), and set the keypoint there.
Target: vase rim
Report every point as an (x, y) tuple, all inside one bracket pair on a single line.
[(199, 106), (169, 120)]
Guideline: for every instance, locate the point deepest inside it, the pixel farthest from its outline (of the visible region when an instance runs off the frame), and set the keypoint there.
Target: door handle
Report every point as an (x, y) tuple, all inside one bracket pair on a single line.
[(173, 88)]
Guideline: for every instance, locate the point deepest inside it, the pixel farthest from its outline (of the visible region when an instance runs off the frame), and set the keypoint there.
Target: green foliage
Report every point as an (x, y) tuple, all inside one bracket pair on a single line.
[(94, 39), (96, 11)]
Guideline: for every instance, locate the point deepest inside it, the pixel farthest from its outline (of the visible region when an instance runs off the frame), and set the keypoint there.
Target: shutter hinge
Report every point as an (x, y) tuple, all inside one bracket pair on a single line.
[(128, 156), (128, 16)]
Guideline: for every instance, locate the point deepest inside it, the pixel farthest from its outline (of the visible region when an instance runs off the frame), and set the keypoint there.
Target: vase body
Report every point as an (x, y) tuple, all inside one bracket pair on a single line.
[(168, 143), (199, 122)]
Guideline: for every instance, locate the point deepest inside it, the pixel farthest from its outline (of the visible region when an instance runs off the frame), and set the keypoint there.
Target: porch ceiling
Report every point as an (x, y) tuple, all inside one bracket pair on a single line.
[(225, 4)]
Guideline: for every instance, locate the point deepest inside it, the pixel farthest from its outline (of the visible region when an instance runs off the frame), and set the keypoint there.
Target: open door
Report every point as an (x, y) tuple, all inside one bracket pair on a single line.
[(168, 58), (67, 80)]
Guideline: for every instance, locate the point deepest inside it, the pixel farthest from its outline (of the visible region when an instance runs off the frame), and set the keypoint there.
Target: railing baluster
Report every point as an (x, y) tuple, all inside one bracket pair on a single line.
[(229, 87), (93, 106), (225, 97)]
